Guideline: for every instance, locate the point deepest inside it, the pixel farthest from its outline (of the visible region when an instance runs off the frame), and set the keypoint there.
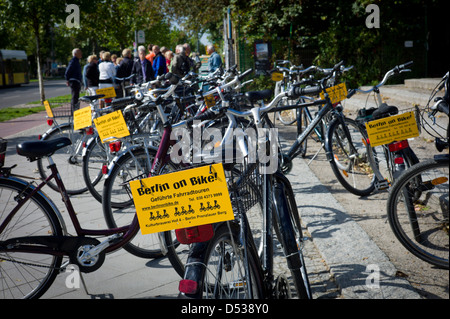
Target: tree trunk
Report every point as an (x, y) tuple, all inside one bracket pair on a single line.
[(39, 64)]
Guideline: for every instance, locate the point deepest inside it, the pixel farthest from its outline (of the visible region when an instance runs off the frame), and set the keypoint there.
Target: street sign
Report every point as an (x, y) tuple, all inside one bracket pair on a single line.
[(141, 36)]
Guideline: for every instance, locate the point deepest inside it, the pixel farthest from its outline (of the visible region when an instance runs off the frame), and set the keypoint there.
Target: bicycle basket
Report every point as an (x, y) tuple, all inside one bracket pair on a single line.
[(3, 145), (435, 125), (61, 107)]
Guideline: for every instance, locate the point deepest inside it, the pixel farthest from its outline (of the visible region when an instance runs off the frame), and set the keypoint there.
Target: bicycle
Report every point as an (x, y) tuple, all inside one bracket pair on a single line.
[(139, 162), (72, 154), (359, 168), (328, 111), (33, 234), (229, 265), (418, 204)]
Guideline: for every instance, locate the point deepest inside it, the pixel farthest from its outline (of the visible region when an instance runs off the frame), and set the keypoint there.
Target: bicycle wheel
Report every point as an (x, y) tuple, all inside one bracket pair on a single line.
[(302, 124), (349, 157), (93, 160), (225, 275), (68, 160), (26, 275), (250, 200), (288, 229), (131, 166), (417, 209), (287, 117)]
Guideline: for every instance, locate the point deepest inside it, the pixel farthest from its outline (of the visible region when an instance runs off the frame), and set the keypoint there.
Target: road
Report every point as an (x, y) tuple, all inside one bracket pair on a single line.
[(26, 93)]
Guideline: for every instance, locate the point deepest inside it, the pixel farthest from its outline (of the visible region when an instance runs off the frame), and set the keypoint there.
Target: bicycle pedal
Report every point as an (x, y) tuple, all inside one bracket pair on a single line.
[(382, 185)]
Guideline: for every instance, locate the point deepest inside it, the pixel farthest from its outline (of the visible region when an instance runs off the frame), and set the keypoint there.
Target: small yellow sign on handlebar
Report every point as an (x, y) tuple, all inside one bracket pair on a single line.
[(277, 76), (336, 93)]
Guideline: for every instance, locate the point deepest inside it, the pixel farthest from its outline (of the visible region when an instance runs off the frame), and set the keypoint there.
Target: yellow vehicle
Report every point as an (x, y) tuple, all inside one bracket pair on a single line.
[(13, 68)]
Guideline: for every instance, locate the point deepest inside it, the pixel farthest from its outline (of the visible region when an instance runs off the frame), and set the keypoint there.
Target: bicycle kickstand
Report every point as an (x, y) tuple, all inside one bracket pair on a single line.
[(317, 153)]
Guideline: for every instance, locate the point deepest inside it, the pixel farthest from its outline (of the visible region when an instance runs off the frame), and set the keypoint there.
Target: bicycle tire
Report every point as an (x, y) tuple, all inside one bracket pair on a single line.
[(288, 229), (302, 124), (70, 167), (116, 189), (92, 168), (26, 275), (352, 171), (417, 209), (223, 258)]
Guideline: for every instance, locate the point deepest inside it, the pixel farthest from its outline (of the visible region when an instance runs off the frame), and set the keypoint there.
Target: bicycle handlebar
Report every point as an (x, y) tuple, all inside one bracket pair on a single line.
[(396, 70), (297, 91)]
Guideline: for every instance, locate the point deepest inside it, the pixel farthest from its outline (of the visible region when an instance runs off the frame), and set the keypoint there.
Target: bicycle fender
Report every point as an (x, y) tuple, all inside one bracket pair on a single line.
[(116, 159), (83, 154), (195, 268), (46, 199), (285, 225), (54, 128)]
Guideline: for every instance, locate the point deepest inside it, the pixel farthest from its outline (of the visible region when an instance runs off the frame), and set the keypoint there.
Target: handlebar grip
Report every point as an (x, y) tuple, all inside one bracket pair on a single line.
[(351, 93), (405, 65), (243, 75), (122, 101), (443, 107), (208, 115), (338, 66), (307, 91)]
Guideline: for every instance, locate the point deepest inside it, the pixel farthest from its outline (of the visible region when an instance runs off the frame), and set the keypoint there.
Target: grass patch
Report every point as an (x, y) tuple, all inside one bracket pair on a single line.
[(11, 113), (55, 99)]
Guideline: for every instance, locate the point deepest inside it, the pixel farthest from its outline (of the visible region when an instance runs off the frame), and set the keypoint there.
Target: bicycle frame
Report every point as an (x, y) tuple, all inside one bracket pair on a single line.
[(127, 232)]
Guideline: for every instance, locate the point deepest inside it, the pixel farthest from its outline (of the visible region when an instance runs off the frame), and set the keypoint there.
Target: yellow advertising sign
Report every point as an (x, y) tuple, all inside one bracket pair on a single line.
[(210, 101), (395, 128), (48, 109), (277, 76), (108, 92), (189, 198), (82, 118), (111, 125), (336, 93)]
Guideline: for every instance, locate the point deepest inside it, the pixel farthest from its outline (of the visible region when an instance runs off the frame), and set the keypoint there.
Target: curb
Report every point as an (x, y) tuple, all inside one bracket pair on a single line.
[(360, 268)]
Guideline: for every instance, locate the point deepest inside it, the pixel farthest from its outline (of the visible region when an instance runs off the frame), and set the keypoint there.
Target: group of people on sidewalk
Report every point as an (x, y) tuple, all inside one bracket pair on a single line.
[(109, 70)]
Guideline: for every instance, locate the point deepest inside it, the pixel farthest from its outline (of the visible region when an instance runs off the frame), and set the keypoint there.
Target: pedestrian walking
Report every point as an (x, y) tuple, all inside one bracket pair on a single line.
[(74, 77), (169, 57), (180, 62), (159, 62), (142, 69), (214, 61), (107, 71), (151, 54), (92, 75)]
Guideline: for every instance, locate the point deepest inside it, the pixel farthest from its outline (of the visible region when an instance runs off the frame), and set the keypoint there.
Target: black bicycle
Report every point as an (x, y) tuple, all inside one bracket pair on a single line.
[(418, 204)]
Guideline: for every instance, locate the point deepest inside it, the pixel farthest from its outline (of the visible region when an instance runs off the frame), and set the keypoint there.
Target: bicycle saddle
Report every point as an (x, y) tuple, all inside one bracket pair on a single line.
[(91, 98), (37, 149), (384, 111), (258, 95)]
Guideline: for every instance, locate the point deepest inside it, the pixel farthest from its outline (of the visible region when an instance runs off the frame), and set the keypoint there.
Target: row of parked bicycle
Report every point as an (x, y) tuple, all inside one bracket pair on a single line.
[(230, 259)]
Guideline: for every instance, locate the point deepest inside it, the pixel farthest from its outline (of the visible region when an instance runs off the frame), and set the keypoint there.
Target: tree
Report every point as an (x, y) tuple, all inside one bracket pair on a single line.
[(34, 15)]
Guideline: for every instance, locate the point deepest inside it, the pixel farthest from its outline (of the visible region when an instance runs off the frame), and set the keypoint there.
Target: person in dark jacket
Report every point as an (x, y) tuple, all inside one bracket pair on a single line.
[(143, 69), (126, 65), (92, 74), (74, 77), (159, 62)]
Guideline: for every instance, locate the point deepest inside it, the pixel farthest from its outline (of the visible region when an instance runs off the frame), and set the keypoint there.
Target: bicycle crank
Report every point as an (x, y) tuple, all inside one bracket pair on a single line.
[(282, 288), (88, 256)]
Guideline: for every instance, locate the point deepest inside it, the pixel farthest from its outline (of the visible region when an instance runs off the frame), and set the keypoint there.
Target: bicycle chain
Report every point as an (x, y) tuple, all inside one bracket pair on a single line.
[(31, 264)]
